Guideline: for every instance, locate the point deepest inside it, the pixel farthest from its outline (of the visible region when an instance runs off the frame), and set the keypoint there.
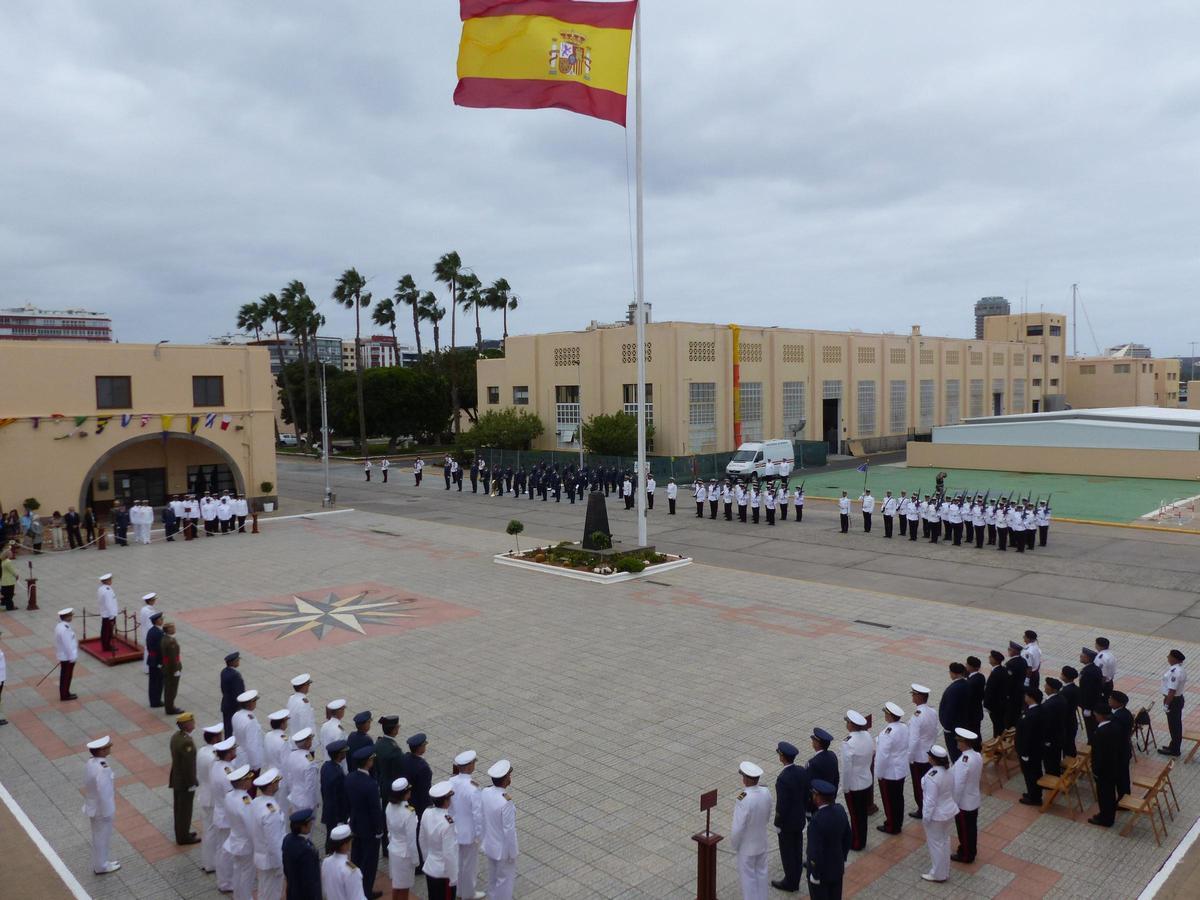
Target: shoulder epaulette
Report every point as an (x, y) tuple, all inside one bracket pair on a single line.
[(741, 795)]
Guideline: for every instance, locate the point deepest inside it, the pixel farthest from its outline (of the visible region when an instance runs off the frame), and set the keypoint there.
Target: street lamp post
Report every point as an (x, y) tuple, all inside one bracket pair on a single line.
[(325, 438), (579, 397)]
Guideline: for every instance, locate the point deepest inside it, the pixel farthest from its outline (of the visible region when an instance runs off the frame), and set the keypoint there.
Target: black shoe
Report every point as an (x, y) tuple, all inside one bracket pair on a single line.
[(1029, 801), (958, 857), (3, 721), (885, 829), (1166, 751), (190, 839), (915, 815), (70, 697), (1096, 820), (783, 886), (375, 895)]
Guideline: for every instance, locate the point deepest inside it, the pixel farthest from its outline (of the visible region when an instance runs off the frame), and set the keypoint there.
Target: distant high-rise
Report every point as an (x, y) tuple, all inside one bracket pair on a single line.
[(989, 306), (28, 323)]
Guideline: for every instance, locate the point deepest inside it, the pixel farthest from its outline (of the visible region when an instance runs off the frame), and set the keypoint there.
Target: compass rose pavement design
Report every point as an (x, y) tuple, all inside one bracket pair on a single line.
[(313, 618)]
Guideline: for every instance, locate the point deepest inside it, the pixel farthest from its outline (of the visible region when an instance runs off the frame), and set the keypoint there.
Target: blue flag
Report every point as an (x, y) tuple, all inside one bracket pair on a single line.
[(862, 468)]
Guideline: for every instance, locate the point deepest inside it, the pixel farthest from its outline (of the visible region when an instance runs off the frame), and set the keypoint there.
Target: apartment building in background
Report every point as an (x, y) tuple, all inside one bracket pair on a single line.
[(28, 323)]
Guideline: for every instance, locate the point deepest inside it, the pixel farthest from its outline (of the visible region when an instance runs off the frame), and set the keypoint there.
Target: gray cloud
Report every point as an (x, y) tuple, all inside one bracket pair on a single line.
[(869, 166)]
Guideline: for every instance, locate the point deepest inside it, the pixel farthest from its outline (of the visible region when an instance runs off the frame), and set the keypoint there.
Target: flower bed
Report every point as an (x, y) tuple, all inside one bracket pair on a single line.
[(604, 566)]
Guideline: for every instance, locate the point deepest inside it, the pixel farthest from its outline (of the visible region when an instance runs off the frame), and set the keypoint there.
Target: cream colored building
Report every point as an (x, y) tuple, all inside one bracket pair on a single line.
[(1111, 381), (86, 424), (711, 386)]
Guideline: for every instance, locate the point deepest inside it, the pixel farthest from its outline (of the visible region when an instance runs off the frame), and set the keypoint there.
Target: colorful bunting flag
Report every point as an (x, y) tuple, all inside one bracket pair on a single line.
[(79, 420), (35, 420), (145, 419), (101, 423), (210, 420), (225, 420), (193, 423), (126, 418), (166, 421), (6, 421)]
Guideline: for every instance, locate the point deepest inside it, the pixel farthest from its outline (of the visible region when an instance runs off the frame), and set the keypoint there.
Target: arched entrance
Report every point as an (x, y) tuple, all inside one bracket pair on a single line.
[(154, 466)]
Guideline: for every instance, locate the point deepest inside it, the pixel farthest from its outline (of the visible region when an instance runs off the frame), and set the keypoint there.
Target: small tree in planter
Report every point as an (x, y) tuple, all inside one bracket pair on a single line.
[(267, 487), (600, 541), (31, 504), (514, 528)]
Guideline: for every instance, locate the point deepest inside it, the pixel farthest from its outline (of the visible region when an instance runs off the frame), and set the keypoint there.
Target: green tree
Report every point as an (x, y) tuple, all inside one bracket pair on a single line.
[(273, 312), (499, 298), (505, 429), (400, 402), (291, 380), (350, 292), (614, 435), (448, 270), (408, 295), (252, 317), (384, 315), (303, 322), (471, 296), (433, 313)]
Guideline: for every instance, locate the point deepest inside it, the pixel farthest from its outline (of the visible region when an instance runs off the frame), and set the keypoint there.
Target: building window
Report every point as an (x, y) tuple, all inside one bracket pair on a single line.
[(566, 356), (977, 357), (702, 417), (952, 357), (1087, 370), (793, 408), (927, 357), (1053, 360), (1037, 358), (520, 395), (1019, 359), (1053, 382), (997, 359), (493, 394), (629, 352), (208, 390), (928, 401), (866, 356), (899, 356), (793, 353), (898, 407), (1055, 331), (831, 390), (113, 392), (566, 414), (866, 408), (1034, 331), (629, 395), (975, 389), (751, 407), (831, 354), (953, 402), (702, 351), (1143, 368), (750, 353), (1037, 382), (1121, 369), (1018, 395)]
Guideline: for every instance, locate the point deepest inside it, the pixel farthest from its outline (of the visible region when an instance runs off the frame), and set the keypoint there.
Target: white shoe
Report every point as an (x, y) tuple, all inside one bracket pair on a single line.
[(110, 866), (479, 895), (929, 877)]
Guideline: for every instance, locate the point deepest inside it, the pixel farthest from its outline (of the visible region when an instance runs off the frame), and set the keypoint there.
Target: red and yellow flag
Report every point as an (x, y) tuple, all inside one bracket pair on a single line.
[(534, 54)]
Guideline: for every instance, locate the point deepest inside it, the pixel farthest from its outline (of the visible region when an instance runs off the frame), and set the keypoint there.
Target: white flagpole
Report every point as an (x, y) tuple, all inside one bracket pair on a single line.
[(640, 328)]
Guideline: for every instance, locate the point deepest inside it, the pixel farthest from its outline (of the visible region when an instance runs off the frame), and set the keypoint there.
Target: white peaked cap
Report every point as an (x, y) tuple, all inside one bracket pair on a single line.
[(267, 777), (336, 704), (247, 696), (919, 688), (340, 833), (99, 743), (150, 596), (106, 576), (227, 744), (466, 758), (66, 612), (938, 751), (239, 773), (966, 734), (441, 789), (301, 735), (301, 680), (895, 709), (499, 769), (750, 770), (855, 717), (279, 715), (400, 784), (215, 729)]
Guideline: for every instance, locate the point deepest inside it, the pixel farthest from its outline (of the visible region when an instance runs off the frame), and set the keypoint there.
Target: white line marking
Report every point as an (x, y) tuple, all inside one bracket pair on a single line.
[(1173, 860), (1178, 503), (53, 858)]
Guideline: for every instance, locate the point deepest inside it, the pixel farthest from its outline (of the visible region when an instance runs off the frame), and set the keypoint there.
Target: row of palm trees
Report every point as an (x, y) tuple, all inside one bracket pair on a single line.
[(293, 312)]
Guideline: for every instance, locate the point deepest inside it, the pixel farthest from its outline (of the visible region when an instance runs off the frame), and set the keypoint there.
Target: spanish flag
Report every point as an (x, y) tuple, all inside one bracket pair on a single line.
[(535, 54)]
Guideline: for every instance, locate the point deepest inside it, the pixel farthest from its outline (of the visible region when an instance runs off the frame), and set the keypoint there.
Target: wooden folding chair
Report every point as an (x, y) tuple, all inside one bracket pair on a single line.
[(995, 752), (1143, 730), (1161, 780), (1194, 737), (1084, 755), (1053, 785), (1142, 804)]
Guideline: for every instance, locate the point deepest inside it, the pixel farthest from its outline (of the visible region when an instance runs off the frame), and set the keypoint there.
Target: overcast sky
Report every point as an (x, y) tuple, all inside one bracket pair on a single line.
[(808, 164)]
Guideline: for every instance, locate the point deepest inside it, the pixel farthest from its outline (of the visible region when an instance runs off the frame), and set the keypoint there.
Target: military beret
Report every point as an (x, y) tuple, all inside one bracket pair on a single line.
[(389, 721), (824, 788), (1088, 652), (1013, 645), (416, 740), (1120, 696), (232, 657), (363, 753), (788, 750), (300, 816), (336, 746), (821, 734), (361, 717), (1177, 654), (184, 718)]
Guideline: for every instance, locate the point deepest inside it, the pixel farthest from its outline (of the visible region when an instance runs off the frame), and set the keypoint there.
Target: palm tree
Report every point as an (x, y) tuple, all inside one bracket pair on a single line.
[(431, 312), (252, 317), (498, 297), (273, 312), (448, 270), (384, 316), (471, 297), (512, 304), (349, 293), (407, 293)]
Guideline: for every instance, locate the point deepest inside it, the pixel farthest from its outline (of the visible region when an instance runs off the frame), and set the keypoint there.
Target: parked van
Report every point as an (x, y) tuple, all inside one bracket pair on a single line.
[(761, 459)]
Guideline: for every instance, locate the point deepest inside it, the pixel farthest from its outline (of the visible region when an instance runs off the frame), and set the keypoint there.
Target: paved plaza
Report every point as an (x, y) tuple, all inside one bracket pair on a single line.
[(618, 705)]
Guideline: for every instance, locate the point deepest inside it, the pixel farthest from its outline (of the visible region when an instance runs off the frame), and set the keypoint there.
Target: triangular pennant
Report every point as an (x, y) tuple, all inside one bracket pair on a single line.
[(145, 419), (126, 418), (101, 423), (79, 420), (193, 423), (166, 421), (225, 420), (210, 420)]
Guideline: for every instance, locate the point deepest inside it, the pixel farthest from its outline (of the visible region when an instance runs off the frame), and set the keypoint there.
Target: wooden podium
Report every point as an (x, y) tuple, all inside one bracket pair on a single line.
[(706, 851)]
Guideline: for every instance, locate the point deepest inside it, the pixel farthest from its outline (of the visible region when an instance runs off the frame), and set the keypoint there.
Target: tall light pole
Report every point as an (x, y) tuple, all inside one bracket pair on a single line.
[(325, 436), (579, 397)]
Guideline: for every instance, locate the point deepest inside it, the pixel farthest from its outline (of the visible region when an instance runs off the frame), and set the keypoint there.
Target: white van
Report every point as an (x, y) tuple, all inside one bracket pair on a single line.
[(762, 459)]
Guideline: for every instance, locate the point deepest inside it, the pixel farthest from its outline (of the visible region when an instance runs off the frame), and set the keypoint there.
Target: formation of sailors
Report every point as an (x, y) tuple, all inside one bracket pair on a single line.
[(221, 514)]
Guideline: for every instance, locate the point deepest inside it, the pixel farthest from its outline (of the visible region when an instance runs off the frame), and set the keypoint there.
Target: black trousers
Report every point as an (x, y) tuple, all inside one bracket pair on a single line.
[(712, 509), (997, 717), (866, 521), (1107, 796), (156, 686), (1052, 760), (729, 512), (912, 530), (845, 522), (6, 596), (925, 528), (800, 513), (1018, 540), (967, 824), (670, 507), (75, 539), (107, 627), (903, 526), (649, 500), (952, 745), (385, 474), (1003, 532), (1043, 531), (935, 532), (770, 516), (887, 526), (915, 772), (826, 890), (858, 804), (1175, 723), (969, 531), (991, 535), (66, 670), (957, 530), (978, 536), (891, 794), (791, 854), (1032, 770), (699, 509), (741, 512), (436, 888), (783, 510), (754, 515), (364, 853)]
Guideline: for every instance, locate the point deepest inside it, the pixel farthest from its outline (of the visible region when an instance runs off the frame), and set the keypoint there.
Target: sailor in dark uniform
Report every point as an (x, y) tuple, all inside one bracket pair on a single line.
[(366, 817), (791, 799), (1109, 764), (360, 737), (231, 685), (824, 764), (301, 864), (1091, 689), (828, 843), (1122, 717)]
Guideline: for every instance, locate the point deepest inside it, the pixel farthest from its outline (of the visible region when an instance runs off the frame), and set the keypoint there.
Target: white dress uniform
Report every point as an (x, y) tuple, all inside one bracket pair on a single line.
[(672, 490), (1107, 664), (239, 845), (500, 842), (844, 506), (277, 747), (402, 844), (798, 499), (331, 731), (107, 598), (922, 733), (99, 806), (748, 839), (938, 810), (967, 771), (248, 734), (300, 713), (466, 809), (268, 820), (913, 513), (204, 762), (891, 752), (66, 645), (143, 620), (220, 787), (304, 781), (439, 843), (1032, 654), (868, 503), (341, 879), (889, 506)]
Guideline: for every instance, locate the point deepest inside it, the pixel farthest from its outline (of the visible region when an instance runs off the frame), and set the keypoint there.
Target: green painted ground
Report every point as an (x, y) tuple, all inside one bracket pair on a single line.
[(1074, 496)]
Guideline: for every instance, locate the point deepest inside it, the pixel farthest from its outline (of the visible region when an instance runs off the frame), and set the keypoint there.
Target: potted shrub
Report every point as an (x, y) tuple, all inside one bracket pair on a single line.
[(514, 528), (267, 487), (31, 504)]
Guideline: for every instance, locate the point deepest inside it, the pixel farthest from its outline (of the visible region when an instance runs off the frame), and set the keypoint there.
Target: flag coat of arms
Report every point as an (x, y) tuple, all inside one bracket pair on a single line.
[(538, 54)]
